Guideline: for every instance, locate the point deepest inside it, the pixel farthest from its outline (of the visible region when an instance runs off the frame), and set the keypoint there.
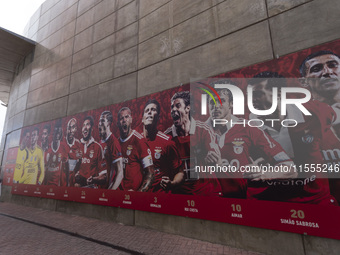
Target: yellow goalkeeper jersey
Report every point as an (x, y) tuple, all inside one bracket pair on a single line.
[(33, 166), (19, 165)]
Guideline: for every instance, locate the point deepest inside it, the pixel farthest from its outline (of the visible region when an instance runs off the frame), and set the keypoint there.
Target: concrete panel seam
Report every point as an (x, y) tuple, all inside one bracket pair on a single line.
[(115, 30), (96, 62), (171, 24), (50, 36), (296, 6), (155, 9), (47, 9), (205, 43), (57, 17), (270, 31), (69, 82), (138, 20), (118, 77)]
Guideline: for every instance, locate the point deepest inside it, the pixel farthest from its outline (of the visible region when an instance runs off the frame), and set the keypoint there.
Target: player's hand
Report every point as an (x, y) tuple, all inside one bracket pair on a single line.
[(89, 180), (79, 154), (256, 173), (165, 182), (213, 158)]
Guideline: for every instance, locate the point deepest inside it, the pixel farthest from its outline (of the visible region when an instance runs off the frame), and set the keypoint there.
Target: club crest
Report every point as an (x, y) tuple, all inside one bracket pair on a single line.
[(91, 153), (158, 152), (238, 145), (129, 149)]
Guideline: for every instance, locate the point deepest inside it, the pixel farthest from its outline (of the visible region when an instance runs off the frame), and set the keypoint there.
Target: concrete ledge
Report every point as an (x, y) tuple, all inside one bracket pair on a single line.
[(5, 193), (248, 238), (36, 202), (119, 215)]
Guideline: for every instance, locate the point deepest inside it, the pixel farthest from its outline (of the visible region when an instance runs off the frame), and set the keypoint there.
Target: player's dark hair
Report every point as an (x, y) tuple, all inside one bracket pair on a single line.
[(26, 131), (274, 79), (58, 125), (123, 109), (108, 116), (48, 127), (36, 129), (185, 95), (90, 118), (153, 101), (303, 68), (224, 91)]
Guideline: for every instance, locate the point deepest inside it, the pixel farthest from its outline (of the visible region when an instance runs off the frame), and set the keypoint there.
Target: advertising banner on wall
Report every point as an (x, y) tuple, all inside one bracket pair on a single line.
[(258, 147)]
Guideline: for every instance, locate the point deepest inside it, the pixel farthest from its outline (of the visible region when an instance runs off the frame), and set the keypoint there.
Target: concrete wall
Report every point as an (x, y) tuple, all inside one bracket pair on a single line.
[(93, 53)]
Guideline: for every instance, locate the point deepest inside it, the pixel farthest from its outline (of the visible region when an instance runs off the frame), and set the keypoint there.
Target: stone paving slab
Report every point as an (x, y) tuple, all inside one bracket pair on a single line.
[(26, 230)]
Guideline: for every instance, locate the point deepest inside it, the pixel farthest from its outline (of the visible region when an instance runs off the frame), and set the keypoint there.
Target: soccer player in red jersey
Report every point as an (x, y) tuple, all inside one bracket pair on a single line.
[(240, 143), (112, 152), (44, 137), (92, 161), (302, 143), (55, 158), (73, 149), (137, 159), (190, 134), (321, 72), (165, 157)]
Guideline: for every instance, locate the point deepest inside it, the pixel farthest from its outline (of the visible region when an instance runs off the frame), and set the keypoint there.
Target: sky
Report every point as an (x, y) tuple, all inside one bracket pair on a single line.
[(14, 15)]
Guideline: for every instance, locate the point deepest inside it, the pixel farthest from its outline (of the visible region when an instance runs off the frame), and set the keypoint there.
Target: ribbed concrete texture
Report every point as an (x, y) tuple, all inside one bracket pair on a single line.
[(94, 53)]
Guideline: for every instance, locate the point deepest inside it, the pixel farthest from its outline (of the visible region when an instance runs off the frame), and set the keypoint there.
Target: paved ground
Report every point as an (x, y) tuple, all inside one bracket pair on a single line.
[(25, 230)]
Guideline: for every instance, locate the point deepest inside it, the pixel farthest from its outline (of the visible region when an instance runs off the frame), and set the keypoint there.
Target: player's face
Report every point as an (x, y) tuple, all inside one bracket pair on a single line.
[(26, 139), (262, 95), (103, 127), (86, 130), (71, 130), (150, 115), (57, 133), (179, 112), (323, 74), (44, 135), (219, 111), (124, 123), (34, 138)]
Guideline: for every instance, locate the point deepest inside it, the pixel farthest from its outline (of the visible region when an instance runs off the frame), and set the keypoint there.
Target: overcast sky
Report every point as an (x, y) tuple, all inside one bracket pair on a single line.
[(14, 15)]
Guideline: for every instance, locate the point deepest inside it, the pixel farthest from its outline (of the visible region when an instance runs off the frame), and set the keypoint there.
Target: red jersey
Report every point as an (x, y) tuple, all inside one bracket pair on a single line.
[(112, 154), (136, 157), (201, 137), (305, 143), (72, 151), (55, 161), (165, 158), (330, 149), (92, 162), (237, 145)]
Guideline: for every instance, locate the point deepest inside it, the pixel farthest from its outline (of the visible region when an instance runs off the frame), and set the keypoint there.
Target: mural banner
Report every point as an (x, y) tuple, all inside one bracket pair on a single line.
[(257, 147)]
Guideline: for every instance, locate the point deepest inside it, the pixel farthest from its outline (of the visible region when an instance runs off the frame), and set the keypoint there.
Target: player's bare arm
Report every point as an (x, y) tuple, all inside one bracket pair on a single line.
[(118, 165), (148, 178), (167, 183), (100, 180)]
